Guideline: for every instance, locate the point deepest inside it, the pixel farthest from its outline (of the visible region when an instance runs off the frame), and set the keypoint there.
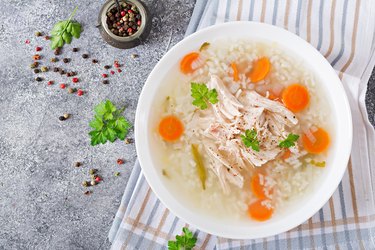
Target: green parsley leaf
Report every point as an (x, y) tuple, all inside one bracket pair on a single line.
[(202, 95), (289, 141), (184, 242), (108, 124), (63, 31), (250, 139)]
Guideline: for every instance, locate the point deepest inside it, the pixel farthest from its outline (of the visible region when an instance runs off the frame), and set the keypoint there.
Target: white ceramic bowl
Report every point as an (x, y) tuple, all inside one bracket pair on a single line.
[(338, 154)]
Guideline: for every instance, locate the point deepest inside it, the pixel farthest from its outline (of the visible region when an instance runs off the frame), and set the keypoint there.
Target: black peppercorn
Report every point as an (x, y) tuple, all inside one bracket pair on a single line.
[(77, 164), (75, 49), (84, 56), (105, 82), (56, 69), (66, 60), (107, 66), (62, 118), (57, 51), (36, 71), (38, 79), (62, 72), (69, 74), (94, 61)]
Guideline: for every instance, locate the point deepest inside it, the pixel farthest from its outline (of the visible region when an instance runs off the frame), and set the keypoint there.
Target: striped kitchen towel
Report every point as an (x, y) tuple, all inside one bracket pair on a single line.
[(343, 31)]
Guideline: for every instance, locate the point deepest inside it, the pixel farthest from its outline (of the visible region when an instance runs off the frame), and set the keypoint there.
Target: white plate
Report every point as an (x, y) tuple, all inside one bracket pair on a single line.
[(338, 154)]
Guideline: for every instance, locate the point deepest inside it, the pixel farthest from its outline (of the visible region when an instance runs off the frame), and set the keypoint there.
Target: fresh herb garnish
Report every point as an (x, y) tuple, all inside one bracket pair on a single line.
[(289, 141), (64, 31), (108, 124), (204, 46), (202, 95), (320, 164), (184, 242), (250, 139)]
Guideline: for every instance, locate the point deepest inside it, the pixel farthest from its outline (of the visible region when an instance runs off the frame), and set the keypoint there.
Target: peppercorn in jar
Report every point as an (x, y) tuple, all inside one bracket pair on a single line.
[(125, 22)]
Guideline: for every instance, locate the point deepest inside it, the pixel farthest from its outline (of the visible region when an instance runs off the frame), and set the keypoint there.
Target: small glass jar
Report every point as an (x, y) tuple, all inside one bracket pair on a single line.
[(129, 41)]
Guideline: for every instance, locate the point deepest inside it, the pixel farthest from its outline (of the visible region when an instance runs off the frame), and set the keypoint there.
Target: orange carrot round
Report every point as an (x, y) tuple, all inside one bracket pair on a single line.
[(295, 97), (320, 144), (260, 69), (170, 128), (260, 212), (286, 154), (257, 187), (235, 72), (187, 62)]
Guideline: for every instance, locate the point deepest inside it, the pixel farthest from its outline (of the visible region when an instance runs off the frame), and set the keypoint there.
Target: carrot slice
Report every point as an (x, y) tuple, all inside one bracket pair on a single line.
[(295, 97), (257, 187), (259, 211), (320, 144), (235, 72), (261, 67), (286, 154), (170, 128), (187, 62)]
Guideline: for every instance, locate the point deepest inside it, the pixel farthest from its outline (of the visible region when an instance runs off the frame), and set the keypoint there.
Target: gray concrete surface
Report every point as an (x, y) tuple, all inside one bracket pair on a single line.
[(42, 205)]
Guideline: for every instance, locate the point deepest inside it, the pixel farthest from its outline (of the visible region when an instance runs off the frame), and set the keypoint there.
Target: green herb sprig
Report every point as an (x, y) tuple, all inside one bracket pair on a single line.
[(250, 139), (289, 141), (202, 95), (108, 124), (64, 31), (184, 242)]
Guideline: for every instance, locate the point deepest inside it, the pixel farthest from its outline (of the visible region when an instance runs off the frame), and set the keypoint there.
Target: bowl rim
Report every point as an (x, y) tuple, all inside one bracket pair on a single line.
[(317, 200)]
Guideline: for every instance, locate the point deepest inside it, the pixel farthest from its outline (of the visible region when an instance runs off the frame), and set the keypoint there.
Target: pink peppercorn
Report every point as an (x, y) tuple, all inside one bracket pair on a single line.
[(104, 75), (98, 179), (80, 92), (75, 79), (38, 48), (130, 11), (62, 86), (27, 41), (117, 65), (130, 30), (139, 23), (120, 161), (119, 70), (50, 82), (123, 13), (112, 72)]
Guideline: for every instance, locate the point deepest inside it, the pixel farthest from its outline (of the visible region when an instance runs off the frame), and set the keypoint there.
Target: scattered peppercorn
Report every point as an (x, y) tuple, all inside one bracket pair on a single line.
[(105, 82), (77, 164), (93, 182), (119, 70), (75, 79), (71, 90), (27, 41), (117, 173), (54, 59), (85, 56), (66, 115), (129, 140), (98, 179), (69, 74), (93, 171), (38, 33), (80, 92), (116, 64), (36, 57), (44, 68), (134, 56), (57, 51), (38, 79), (75, 49), (87, 192), (85, 183), (74, 73), (112, 72), (94, 61), (47, 38), (38, 48), (56, 69), (62, 72), (62, 86), (50, 82), (104, 75), (62, 118), (34, 65), (107, 66), (36, 71), (120, 161), (66, 60)]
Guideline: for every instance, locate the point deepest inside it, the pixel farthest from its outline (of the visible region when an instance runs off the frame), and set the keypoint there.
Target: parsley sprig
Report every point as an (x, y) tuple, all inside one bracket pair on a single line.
[(250, 139), (64, 31), (202, 95), (108, 124), (289, 141), (183, 242)]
